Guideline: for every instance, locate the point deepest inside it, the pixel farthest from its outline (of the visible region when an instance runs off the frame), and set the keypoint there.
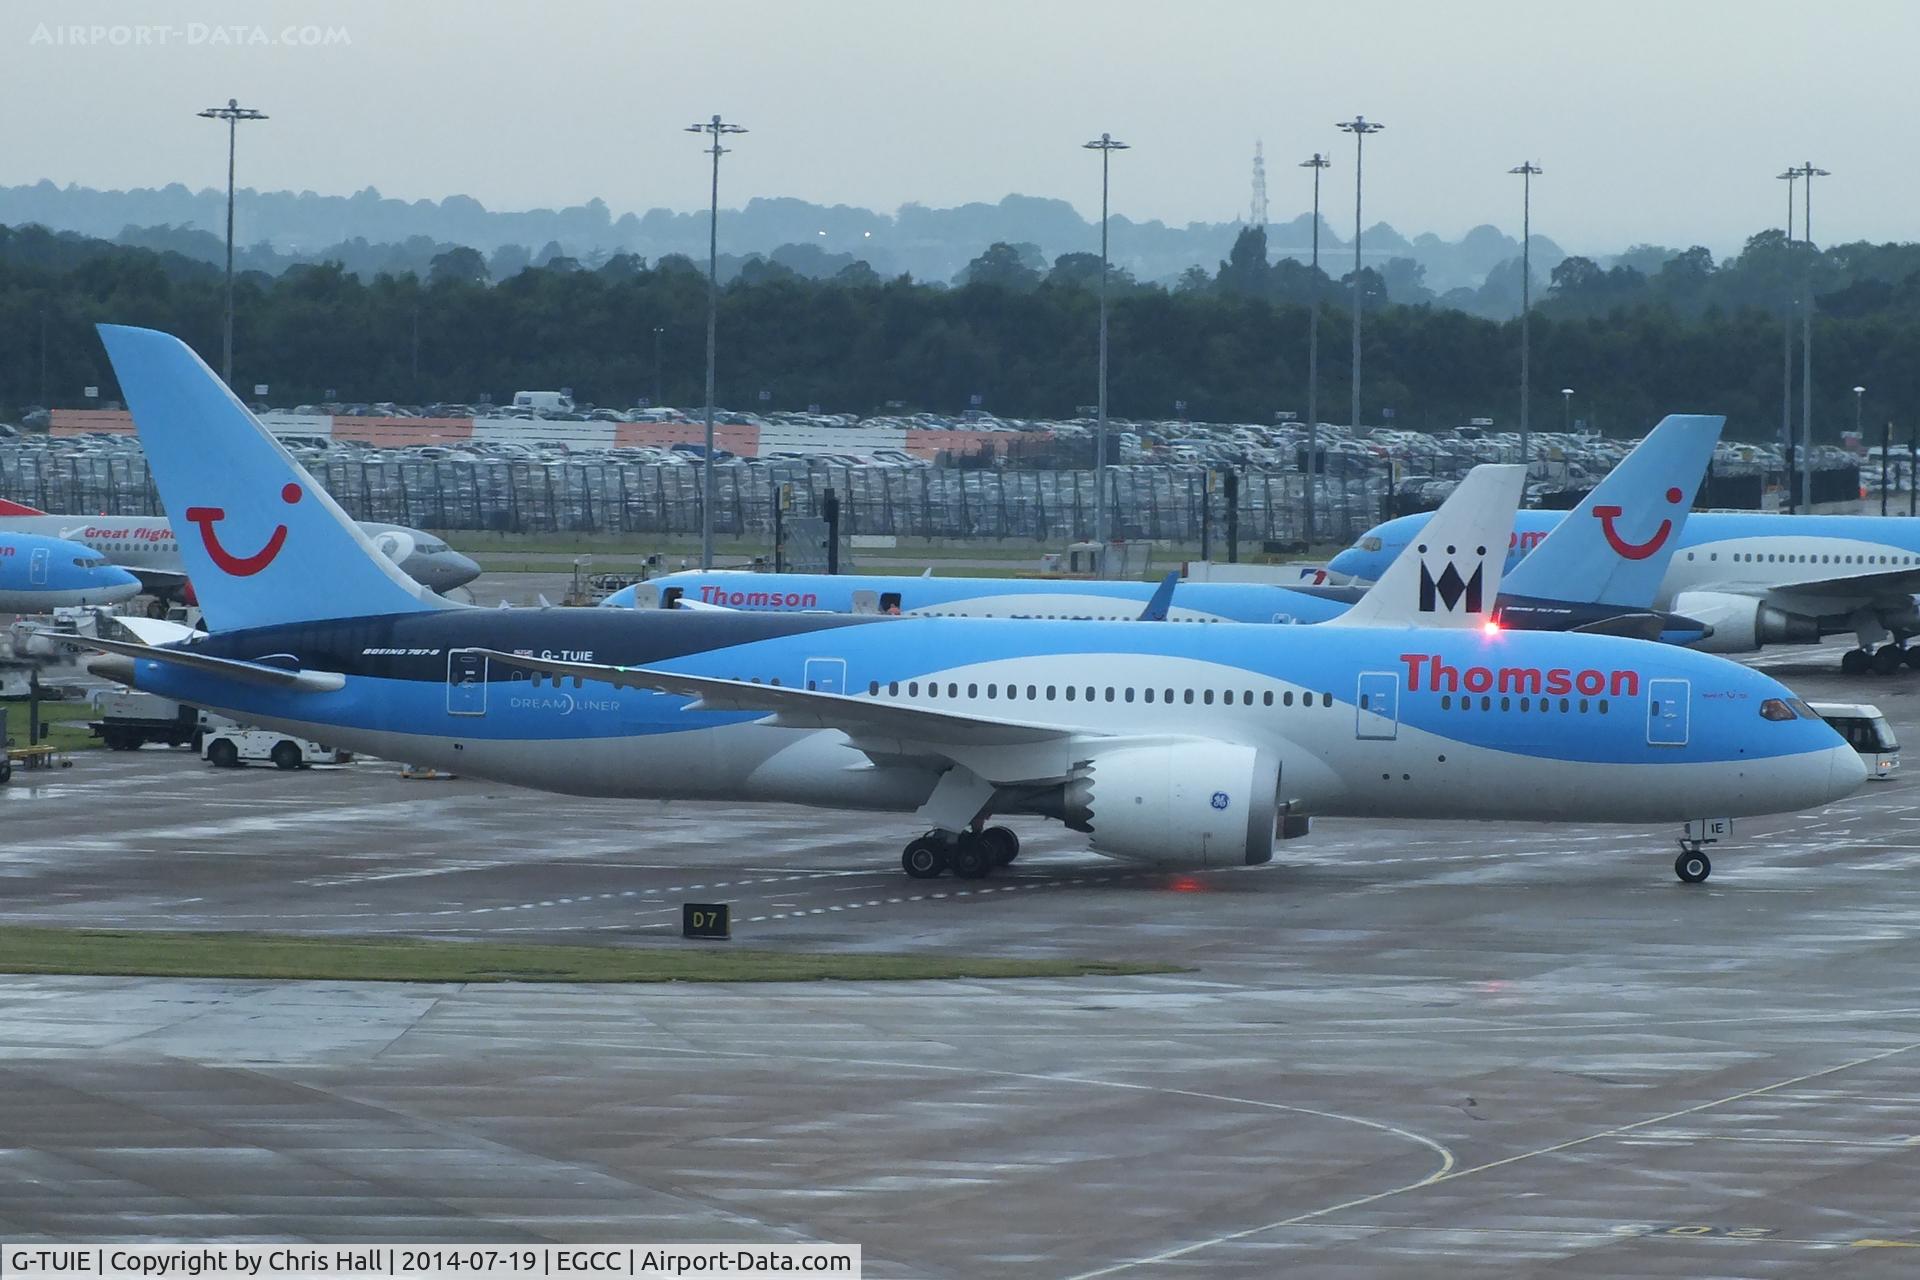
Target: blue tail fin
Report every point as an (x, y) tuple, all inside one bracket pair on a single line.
[(263, 543), (1615, 546)]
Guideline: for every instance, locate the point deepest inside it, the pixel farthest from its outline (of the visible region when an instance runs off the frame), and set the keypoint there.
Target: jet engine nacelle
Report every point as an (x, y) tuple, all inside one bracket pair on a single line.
[(1192, 803), (1742, 624)]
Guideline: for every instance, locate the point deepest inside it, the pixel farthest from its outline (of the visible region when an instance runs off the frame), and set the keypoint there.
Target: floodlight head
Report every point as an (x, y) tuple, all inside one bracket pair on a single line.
[(1859, 391), (1359, 125), (1318, 161), (1105, 142), (1527, 167)]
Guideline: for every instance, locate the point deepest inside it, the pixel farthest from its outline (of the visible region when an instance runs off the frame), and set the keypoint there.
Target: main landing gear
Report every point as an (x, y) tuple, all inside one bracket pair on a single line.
[(969, 855), (1882, 661)]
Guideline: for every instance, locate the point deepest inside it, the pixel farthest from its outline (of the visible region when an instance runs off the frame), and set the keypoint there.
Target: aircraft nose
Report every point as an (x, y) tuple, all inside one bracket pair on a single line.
[(460, 569), (1846, 774), (1347, 562)]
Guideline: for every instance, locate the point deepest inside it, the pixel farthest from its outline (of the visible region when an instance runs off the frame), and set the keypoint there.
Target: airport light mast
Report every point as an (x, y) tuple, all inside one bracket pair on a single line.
[(1808, 172), (1790, 177), (1317, 163), (1359, 127), (1106, 145), (1527, 169), (717, 128), (233, 113)]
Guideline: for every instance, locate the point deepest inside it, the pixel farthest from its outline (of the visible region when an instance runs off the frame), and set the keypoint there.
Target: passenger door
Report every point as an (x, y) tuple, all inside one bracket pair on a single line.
[(37, 566), (1377, 705), (1668, 710), (466, 682)]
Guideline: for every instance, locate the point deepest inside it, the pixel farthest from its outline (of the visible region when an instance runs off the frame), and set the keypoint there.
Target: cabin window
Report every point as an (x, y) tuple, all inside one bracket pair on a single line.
[(973, 691), (1050, 690), (1207, 697), (1189, 697), (893, 688), (1526, 704), (1266, 699), (1072, 694), (1446, 702), (1326, 699), (1603, 706), (1033, 694), (953, 689), (993, 690), (1286, 699), (1129, 693), (873, 686)]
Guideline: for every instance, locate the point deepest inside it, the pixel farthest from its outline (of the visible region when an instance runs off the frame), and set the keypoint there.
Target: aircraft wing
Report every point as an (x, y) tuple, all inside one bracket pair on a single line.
[(158, 582), (999, 751), (1872, 585)]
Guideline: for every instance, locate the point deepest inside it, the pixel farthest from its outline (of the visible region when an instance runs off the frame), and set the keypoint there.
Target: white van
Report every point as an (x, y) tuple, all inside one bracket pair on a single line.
[(543, 401), (1867, 732)]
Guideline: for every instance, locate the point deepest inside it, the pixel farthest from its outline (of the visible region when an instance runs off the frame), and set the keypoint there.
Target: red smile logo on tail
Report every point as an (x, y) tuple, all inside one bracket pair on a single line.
[(1633, 550), (244, 566)]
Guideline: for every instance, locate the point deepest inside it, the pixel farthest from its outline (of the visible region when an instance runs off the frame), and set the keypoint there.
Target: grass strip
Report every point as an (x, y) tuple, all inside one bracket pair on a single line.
[(139, 953)]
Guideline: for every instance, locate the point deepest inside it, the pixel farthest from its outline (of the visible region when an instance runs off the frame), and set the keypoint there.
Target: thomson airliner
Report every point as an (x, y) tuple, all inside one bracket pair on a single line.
[(1172, 745), (1583, 578)]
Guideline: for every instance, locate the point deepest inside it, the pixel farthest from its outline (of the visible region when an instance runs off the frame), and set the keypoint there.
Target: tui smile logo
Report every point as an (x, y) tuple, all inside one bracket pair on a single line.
[(204, 518), (1635, 550)]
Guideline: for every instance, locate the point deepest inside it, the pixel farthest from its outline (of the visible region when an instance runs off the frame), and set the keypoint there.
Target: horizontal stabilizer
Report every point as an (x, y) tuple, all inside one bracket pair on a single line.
[(259, 673)]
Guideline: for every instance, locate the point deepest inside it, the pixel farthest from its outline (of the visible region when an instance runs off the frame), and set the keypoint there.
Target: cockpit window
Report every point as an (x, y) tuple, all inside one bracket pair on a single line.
[(1776, 709), (1370, 544), (1801, 709)]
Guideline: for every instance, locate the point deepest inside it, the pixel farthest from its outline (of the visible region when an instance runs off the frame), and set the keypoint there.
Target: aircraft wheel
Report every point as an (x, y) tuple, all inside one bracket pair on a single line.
[(1913, 656), (223, 755), (924, 858), (1887, 659), (1002, 843), (1692, 867), (972, 858), (1855, 662)]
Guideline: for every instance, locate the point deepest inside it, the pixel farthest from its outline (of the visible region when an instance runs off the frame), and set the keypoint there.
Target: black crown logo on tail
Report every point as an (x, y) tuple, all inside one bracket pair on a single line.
[(1451, 589)]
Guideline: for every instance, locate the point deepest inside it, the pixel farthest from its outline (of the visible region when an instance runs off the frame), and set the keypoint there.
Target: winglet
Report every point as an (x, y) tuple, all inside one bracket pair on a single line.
[(1614, 548), (1449, 575), (1162, 600)]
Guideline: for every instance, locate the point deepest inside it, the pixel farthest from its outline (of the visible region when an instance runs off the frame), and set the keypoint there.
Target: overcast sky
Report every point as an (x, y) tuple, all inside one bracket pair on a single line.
[(1655, 121)]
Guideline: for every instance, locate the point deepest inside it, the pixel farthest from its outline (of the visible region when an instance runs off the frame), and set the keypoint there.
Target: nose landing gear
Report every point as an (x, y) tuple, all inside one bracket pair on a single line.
[(1693, 866)]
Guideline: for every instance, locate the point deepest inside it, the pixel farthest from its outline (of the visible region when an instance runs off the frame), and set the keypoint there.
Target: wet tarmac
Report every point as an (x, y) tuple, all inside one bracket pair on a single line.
[(1404, 1049)]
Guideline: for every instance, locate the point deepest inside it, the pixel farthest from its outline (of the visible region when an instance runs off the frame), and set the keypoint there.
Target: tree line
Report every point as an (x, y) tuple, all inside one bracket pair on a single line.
[(1016, 335)]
